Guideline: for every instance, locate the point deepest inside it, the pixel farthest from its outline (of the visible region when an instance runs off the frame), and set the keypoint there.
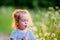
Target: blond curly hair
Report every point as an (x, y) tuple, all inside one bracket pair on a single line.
[(16, 16)]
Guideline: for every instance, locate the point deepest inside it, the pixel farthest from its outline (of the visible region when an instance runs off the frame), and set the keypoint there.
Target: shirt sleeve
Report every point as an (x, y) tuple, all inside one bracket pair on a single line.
[(14, 34)]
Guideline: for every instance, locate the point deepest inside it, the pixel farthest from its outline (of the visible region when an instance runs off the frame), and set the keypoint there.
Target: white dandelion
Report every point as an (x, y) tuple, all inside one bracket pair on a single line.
[(53, 35), (42, 38)]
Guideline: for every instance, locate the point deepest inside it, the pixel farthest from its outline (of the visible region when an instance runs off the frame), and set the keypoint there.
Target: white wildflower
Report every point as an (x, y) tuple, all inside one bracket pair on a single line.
[(46, 15), (53, 34), (56, 13), (36, 36), (46, 34), (55, 38), (57, 7), (34, 28), (51, 8), (42, 38), (53, 17)]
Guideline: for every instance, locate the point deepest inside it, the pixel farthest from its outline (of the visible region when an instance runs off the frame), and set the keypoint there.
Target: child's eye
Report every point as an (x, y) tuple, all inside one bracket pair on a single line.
[(22, 20), (26, 20)]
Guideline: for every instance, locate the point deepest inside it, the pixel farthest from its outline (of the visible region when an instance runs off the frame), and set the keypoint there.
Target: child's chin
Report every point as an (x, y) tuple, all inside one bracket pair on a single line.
[(24, 28)]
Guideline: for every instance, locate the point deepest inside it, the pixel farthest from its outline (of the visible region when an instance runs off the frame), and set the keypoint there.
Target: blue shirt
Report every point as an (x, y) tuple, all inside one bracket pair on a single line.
[(18, 34)]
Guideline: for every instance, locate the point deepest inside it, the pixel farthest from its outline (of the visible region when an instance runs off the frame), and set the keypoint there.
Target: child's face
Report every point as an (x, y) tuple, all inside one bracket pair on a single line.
[(23, 21)]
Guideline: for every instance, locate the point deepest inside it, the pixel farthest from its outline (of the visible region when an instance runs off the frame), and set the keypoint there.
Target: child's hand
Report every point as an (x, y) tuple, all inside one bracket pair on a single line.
[(24, 38)]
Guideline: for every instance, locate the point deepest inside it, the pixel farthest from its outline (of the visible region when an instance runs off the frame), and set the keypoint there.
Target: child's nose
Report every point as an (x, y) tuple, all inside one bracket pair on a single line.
[(25, 23)]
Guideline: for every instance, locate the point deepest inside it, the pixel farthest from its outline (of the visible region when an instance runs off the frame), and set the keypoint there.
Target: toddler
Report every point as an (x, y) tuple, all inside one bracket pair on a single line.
[(21, 21)]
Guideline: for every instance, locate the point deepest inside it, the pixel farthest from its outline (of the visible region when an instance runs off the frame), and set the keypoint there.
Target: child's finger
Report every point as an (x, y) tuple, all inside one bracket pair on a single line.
[(24, 38)]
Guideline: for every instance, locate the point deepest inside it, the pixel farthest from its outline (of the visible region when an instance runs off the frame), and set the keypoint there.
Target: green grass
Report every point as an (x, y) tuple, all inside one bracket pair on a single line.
[(6, 19), (44, 22)]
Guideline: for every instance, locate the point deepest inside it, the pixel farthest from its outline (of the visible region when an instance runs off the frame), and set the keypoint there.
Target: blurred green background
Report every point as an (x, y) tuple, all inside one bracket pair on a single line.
[(45, 15)]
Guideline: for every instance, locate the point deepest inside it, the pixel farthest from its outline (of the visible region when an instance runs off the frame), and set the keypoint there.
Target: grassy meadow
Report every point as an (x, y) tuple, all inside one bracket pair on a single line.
[(46, 22)]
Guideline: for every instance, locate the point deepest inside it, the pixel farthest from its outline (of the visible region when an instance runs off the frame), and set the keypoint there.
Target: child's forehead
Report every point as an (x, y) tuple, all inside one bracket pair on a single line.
[(24, 16)]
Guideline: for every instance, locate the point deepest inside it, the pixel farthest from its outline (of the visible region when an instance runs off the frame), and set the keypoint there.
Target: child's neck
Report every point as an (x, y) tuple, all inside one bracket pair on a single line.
[(23, 29)]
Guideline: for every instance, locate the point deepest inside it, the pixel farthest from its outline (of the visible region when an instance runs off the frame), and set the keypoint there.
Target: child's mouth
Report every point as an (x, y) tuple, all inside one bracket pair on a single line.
[(25, 26)]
